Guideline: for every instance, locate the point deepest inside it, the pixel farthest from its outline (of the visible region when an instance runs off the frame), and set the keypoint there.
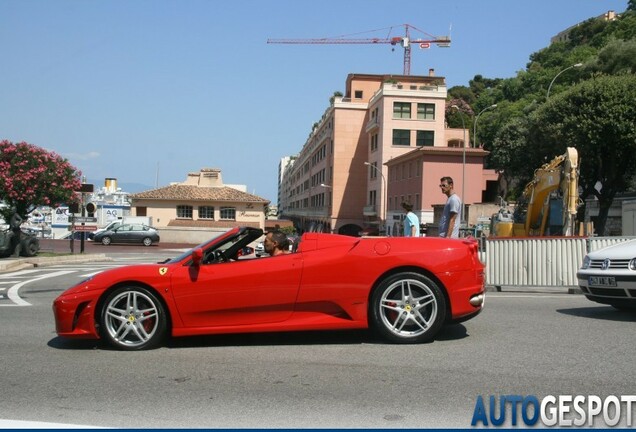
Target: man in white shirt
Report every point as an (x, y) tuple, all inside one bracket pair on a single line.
[(449, 223)]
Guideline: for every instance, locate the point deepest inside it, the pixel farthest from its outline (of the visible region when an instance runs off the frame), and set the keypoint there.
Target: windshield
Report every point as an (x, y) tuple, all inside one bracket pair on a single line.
[(232, 243)]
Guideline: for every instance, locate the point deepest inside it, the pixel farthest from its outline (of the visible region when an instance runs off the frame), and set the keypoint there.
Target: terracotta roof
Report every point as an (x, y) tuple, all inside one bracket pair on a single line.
[(209, 223), (182, 192)]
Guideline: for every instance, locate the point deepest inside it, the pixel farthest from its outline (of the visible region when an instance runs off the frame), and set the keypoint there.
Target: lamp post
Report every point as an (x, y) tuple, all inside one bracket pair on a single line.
[(555, 77), (463, 219), (493, 106), (384, 192)]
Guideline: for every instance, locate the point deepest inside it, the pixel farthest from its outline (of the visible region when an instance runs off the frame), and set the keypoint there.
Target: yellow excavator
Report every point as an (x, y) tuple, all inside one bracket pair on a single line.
[(530, 216)]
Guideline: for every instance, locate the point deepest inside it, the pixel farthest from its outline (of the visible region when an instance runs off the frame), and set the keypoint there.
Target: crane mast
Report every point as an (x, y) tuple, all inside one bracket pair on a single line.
[(405, 41)]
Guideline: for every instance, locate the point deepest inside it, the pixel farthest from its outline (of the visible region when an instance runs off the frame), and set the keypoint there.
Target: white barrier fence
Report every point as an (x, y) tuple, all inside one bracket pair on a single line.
[(539, 262)]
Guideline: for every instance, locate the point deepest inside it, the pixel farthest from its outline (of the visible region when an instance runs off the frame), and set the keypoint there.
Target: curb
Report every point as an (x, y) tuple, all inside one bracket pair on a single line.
[(7, 265), (534, 289)]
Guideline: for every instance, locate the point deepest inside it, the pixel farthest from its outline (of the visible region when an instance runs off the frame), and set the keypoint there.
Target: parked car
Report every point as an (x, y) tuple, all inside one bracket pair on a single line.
[(405, 289), (608, 275), (128, 233), (260, 249)]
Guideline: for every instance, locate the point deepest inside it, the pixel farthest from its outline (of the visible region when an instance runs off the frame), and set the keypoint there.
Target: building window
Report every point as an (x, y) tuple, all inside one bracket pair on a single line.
[(373, 172), (402, 110), (184, 212), (228, 213), (374, 142), (206, 212), (358, 94), (425, 138), (401, 137), (372, 198), (425, 111)]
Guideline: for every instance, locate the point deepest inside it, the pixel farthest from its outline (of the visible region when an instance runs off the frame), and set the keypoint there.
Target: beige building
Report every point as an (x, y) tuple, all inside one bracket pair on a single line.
[(564, 36), (201, 205), (339, 180)]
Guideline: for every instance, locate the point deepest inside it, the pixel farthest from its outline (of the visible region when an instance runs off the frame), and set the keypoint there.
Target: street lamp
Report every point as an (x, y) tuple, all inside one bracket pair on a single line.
[(567, 68), (493, 106), (463, 164), (384, 192)]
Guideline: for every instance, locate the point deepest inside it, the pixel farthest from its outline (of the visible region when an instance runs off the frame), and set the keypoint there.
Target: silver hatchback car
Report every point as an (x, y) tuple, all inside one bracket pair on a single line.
[(608, 275)]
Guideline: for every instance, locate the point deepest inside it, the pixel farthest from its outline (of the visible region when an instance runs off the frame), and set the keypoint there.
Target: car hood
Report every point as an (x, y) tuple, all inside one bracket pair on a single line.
[(153, 274), (624, 250)]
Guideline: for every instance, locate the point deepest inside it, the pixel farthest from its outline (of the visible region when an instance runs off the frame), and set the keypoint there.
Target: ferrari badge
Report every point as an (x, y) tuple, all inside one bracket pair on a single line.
[(163, 270)]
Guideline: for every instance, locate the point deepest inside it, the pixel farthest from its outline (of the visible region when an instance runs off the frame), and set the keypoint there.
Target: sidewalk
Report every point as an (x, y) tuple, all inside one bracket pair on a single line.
[(13, 264)]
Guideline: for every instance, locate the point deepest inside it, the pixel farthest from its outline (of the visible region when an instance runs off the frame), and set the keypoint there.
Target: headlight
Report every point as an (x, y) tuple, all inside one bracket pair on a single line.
[(632, 264), (586, 262)]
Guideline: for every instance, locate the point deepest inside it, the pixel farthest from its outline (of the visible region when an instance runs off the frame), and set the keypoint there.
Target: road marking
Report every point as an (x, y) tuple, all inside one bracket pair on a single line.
[(20, 273), (86, 275), (14, 296)]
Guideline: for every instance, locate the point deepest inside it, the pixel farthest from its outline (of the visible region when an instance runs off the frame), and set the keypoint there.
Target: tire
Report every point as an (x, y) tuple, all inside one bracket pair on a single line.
[(106, 241), (133, 318), (147, 241), (625, 307), (407, 308), (30, 247)]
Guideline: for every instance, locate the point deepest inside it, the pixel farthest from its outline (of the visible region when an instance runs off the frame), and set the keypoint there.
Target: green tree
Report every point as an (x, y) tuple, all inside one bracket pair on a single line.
[(31, 176), (598, 117)]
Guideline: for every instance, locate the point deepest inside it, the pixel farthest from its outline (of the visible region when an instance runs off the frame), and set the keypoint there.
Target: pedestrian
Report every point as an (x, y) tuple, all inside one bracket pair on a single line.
[(411, 221), (449, 223), (276, 243)]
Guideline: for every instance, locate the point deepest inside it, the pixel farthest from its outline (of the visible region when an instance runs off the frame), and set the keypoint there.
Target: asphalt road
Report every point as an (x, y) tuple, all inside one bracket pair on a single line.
[(523, 343)]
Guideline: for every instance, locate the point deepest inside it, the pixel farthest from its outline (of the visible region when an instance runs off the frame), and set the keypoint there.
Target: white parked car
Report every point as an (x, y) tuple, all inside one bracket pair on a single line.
[(260, 249), (608, 275)]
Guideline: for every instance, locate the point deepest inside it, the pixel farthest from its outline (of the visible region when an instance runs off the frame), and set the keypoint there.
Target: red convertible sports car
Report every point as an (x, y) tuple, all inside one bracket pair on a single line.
[(403, 288)]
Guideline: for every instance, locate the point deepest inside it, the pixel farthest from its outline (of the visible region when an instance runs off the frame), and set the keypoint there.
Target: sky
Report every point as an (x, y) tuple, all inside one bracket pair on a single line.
[(146, 91)]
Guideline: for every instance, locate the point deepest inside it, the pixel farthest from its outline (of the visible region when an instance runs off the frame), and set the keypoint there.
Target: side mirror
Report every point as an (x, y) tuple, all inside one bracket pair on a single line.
[(197, 256)]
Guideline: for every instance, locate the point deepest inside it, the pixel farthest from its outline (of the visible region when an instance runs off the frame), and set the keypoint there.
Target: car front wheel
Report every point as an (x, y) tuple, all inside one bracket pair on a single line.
[(408, 308), (147, 241), (106, 241), (133, 318)]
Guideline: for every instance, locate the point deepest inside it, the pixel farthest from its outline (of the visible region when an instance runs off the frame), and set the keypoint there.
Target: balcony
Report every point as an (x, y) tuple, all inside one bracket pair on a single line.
[(370, 210)]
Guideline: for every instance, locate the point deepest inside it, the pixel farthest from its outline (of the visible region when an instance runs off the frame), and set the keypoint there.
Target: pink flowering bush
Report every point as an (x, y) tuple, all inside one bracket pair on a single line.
[(31, 176)]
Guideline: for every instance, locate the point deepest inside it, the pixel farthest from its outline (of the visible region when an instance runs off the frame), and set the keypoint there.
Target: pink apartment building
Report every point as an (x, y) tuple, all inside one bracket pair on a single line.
[(385, 141)]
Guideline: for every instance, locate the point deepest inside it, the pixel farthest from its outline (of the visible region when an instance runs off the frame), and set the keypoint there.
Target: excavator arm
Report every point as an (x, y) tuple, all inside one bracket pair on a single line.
[(531, 214)]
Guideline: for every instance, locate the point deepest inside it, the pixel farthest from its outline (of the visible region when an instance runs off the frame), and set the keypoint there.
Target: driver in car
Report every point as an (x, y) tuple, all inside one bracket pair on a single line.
[(276, 243)]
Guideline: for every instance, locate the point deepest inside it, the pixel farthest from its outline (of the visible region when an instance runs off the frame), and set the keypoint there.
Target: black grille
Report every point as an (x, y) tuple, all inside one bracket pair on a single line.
[(609, 292)]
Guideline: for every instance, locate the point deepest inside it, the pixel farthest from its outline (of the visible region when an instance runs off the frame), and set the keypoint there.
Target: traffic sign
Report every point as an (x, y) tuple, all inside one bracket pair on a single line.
[(82, 219), (85, 228)]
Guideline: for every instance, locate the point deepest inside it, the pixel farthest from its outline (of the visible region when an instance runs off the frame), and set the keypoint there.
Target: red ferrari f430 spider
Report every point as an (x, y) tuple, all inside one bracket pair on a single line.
[(405, 289)]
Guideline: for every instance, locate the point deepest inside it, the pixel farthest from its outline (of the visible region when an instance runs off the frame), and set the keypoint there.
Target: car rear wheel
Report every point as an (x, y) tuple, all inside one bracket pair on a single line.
[(147, 241), (133, 318), (408, 308), (106, 241)]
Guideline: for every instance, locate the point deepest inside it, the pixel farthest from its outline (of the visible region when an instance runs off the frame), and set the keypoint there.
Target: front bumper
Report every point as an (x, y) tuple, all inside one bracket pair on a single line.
[(75, 316)]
